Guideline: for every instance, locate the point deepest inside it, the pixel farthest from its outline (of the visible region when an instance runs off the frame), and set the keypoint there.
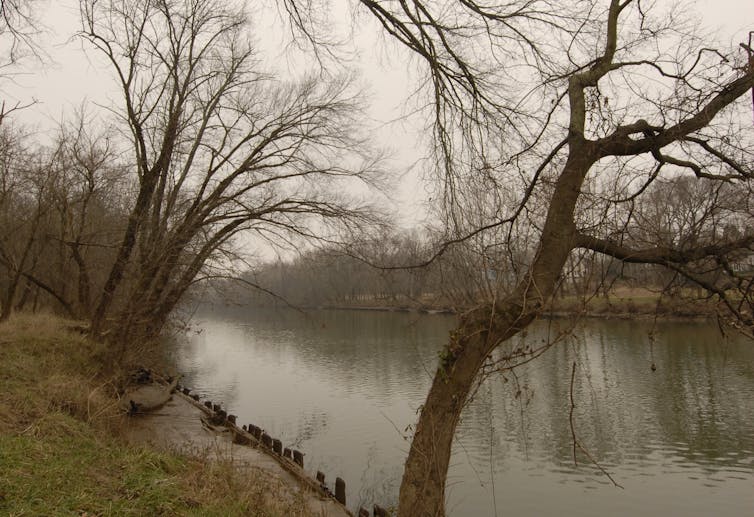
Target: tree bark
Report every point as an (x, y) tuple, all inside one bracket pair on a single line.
[(422, 492)]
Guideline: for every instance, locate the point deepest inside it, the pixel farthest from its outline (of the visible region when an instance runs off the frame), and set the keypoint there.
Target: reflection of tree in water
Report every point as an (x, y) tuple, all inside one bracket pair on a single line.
[(695, 410), (708, 388), (386, 351), (203, 376), (309, 426), (378, 483)]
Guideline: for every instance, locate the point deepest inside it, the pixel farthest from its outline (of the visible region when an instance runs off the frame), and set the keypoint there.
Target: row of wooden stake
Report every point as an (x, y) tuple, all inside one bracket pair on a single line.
[(221, 417)]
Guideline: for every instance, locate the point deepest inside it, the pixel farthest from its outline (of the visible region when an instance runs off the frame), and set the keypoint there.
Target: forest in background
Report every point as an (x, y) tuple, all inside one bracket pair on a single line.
[(419, 269), (64, 207)]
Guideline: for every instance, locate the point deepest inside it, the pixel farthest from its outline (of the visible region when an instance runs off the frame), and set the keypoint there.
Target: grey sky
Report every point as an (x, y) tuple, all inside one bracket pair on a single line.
[(70, 77)]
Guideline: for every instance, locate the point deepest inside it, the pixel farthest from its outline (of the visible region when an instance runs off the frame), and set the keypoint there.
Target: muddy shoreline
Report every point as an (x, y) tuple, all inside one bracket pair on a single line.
[(189, 425)]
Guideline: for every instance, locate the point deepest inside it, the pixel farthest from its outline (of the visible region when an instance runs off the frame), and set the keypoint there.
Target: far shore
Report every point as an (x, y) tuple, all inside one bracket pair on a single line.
[(623, 303)]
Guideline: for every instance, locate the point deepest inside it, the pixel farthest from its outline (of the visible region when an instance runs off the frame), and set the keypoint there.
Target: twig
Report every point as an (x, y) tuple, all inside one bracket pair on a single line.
[(576, 443)]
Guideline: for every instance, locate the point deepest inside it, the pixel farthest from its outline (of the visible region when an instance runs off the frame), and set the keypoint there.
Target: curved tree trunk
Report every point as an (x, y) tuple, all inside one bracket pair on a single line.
[(423, 486), (422, 492)]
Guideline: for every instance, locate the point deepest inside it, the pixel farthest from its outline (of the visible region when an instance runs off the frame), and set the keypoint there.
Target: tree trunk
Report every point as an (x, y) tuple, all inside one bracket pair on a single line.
[(8, 296), (422, 491), (10, 292), (84, 301), (127, 245), (24, 298)]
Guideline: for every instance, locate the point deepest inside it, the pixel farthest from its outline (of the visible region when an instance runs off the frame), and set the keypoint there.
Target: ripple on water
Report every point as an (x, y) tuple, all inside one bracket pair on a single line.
[(348, 386)]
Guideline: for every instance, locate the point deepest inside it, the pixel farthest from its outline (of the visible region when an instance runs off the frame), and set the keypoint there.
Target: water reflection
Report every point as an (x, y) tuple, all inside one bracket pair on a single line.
[(345, 386)]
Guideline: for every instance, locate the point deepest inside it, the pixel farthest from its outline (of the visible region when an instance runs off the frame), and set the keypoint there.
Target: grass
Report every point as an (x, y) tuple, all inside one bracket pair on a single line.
[(60, 452), (626, 302)]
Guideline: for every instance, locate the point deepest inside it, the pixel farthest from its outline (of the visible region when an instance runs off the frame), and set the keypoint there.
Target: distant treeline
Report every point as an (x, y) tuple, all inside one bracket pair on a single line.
[(427, 269)]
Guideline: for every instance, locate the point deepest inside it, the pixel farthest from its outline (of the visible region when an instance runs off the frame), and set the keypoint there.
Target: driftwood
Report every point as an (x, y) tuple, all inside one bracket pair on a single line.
[(147, 397)]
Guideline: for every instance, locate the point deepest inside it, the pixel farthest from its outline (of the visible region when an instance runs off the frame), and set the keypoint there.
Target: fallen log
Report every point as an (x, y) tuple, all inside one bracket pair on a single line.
[(147, 397)]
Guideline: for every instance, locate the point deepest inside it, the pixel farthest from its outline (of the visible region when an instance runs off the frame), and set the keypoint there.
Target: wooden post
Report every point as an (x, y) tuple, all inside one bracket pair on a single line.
[(298, 458), (195, 397), (379, 511), (277, 446), (363, 512), (208, 404), (216, 407), (340, 491), (320, 477), (186, 391), (287, 453), (232, 419), (267, 440)]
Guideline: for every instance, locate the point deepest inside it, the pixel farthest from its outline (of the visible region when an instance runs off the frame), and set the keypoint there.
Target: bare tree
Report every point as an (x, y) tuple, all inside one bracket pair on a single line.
[(62, 209), (29, 181), (18, 29), (576, 108), (88, 203), (13, 161), (218, 148), (18, 24)]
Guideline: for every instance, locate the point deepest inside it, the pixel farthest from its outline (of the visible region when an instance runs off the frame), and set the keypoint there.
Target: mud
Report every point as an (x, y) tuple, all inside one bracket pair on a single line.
[(182, 424)]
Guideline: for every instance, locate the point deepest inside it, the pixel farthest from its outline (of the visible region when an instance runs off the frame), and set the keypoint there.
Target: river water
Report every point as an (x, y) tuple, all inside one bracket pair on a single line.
[(344, 387)]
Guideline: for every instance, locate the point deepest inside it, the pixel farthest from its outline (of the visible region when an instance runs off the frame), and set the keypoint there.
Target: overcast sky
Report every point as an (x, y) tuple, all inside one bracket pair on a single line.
[(70, 77)]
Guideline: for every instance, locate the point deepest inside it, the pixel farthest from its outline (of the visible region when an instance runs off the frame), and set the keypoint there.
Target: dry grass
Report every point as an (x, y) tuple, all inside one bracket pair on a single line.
[(59, 454), (632, 302), (46, 368), (246, 490)]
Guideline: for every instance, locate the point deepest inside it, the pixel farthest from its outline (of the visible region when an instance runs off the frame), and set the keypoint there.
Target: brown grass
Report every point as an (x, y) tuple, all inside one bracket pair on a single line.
[(60, 454)]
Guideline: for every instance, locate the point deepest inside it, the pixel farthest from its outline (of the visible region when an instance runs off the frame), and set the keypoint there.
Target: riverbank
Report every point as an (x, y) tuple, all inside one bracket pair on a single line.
[(65, 449), (618, 303), (630, 303)]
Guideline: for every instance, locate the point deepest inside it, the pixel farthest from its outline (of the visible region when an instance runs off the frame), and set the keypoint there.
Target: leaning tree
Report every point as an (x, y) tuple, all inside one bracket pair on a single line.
[(217, 146), (558, 117)]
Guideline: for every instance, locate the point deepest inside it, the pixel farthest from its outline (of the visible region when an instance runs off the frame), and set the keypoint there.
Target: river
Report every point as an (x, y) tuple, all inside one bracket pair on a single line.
[(345, 386)]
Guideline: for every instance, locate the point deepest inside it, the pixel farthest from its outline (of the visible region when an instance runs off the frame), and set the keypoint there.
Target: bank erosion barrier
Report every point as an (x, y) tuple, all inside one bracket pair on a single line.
[(292, 460)]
